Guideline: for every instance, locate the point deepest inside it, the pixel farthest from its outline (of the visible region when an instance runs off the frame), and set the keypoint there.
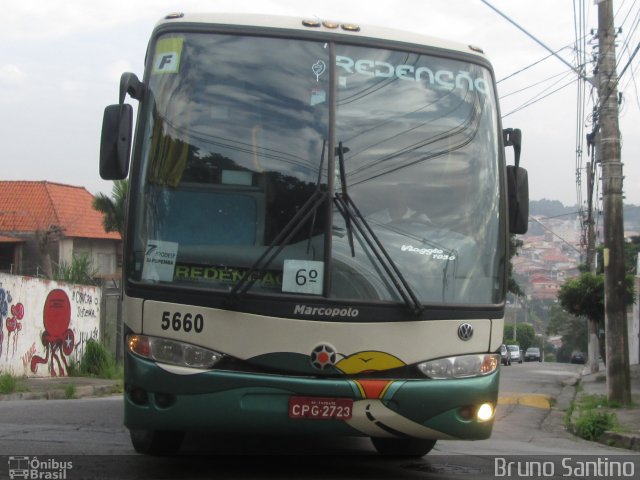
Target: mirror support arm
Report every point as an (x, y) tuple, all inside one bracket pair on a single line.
[(130, 84), (513, 138)]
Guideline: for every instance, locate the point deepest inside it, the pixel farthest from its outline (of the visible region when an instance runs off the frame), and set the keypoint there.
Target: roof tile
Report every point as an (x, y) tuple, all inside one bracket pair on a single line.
[(29, 206)]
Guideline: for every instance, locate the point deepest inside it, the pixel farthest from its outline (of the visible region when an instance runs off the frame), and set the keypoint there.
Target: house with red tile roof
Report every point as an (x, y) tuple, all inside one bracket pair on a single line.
[(44, 220)]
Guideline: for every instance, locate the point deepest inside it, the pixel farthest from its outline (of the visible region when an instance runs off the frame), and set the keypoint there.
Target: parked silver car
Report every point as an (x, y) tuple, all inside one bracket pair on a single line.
[(505, 355), (516, 354)]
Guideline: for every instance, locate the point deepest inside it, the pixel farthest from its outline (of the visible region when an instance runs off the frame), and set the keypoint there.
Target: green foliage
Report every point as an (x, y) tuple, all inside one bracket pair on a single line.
[(512, 285), (598, 401), (568, 414), (70, 391), (630, 254), (591, 417), (593, 423), (8, 383), (631, 251), (97, 361), (584, 296), (113, 209), (559, 320), (80, 271), (73, 369), (574, 331), (525, 336)]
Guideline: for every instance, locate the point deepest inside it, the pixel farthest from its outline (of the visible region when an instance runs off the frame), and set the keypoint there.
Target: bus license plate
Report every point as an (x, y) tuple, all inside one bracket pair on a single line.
[(320, 408)]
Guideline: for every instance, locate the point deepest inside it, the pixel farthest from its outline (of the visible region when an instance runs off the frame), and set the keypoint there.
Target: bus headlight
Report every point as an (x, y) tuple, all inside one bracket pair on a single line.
[(173, 352), (460, 367)]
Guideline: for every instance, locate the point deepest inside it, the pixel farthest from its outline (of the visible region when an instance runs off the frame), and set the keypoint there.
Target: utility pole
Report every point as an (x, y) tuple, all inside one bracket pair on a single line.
[(617, 356), (593, 348)]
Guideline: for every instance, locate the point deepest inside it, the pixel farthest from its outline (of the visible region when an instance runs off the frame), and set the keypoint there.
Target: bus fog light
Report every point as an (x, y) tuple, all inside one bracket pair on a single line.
[(138, 396), (466, 413), (485, 412)]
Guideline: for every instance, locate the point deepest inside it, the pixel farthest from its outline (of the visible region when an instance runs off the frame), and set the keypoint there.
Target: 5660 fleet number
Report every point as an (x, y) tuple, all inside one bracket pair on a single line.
[(179, 322)]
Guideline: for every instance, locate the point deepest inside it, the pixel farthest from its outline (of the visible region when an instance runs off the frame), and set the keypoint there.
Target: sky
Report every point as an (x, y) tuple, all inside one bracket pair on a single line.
[(61, 61)]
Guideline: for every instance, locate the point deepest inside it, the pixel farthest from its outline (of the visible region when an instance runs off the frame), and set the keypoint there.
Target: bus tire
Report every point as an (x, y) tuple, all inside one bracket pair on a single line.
[(156, 442), (402, 447)]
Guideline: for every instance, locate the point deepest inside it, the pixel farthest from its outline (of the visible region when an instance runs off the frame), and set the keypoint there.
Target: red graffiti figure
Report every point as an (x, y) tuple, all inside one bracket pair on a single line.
[(57, 338), (14, 325)]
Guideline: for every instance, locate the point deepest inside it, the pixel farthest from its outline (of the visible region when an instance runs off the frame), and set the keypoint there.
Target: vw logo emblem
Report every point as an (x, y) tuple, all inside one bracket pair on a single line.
[(323, 356), (465, 331)]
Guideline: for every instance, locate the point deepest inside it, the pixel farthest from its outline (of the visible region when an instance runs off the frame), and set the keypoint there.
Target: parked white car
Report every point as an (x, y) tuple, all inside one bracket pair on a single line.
[(516, 354)]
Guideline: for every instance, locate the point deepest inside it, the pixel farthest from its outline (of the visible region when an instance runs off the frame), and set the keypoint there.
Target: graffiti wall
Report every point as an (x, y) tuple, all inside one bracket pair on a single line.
[(45, 325)]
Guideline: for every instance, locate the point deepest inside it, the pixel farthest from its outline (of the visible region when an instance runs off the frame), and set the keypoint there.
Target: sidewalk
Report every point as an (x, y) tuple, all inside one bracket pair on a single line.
[(49, 388), (628, 434)]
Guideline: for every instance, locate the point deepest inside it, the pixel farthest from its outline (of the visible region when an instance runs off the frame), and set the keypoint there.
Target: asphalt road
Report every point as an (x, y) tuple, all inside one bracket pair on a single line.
[(89, 434)]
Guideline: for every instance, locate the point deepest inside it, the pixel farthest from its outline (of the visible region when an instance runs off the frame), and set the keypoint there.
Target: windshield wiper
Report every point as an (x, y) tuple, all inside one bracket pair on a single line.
[(343, 184), (352, 215), (348, 210), (308, 210)]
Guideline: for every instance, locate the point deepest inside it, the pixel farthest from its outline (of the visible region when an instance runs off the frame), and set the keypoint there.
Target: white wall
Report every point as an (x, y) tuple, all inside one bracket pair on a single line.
[(633, 324), (44, 325), (102, 253)]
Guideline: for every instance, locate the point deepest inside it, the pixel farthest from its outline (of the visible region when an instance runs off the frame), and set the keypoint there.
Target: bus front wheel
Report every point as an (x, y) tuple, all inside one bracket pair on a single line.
[(156, 442), (402, 447)]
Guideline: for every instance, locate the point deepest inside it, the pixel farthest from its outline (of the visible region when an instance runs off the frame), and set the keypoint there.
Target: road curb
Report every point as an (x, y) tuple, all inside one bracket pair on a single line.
[(623, 440), (629, 441), (60, 393)]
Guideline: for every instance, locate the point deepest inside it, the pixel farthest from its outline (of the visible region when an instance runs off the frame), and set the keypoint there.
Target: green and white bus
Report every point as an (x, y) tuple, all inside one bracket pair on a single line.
[(317, 233)]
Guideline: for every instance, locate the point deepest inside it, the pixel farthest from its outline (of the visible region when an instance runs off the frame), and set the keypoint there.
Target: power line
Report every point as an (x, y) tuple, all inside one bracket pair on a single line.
[(530, 66), (564, 74), (528, 104), (554, 233), (580, 74)]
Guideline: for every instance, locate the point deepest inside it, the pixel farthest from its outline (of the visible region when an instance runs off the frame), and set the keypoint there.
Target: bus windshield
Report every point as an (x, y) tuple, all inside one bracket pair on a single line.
[(287, 166)]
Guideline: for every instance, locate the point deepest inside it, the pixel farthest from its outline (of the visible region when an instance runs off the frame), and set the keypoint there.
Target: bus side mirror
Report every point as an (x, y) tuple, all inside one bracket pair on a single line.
[(117, 128), (517, 184), (518, 194), (115, 143)]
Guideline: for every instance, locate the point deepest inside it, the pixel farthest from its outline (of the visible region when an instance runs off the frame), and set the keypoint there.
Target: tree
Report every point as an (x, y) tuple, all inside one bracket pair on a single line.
[(512, 285), (573, 330), (584, 296), (631, 251), (43, 237), (525, 334), (113, 209)]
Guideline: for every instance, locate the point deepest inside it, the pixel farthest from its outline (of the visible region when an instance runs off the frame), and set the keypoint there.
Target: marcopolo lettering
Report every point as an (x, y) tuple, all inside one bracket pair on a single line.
[(325, 311), (445, 79)]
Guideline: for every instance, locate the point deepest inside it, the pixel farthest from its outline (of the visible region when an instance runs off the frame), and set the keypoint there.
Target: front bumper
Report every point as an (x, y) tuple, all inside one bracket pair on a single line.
[(238, 402)]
